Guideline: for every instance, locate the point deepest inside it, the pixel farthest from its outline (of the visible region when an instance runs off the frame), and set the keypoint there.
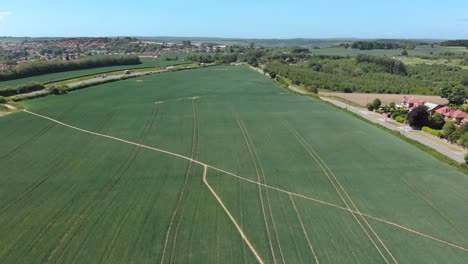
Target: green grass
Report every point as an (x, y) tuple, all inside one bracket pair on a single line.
[(53, 77), (68, 196)]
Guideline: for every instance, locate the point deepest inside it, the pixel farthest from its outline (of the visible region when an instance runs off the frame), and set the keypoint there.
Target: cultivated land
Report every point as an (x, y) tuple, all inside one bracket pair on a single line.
[(218, 165), (363, 99), (420, 50)]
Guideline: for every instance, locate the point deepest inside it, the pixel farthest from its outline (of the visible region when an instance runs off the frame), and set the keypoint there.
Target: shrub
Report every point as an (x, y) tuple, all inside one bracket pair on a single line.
[(436, 121), (463, 141), (434, 132), (448, 129), (370, 107), (2, 100), (376, 103), (418, 117), (395, 115), (400, 119), (455, 136), (20, 89), (466, 158)]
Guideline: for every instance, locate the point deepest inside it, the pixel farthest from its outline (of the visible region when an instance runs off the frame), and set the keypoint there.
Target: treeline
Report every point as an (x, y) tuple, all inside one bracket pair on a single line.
[(390, 65), (21, 89), (457, 43), (371, 45), (369, 76), (40, 68)]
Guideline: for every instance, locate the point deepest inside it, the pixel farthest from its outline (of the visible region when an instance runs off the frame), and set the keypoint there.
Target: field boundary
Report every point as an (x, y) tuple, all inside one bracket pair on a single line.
[(251, 181)]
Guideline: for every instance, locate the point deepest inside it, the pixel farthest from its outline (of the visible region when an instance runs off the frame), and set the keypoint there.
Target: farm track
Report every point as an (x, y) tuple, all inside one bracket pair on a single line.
[(59, 213), (99, 198), (34, 186), (421, 196), (303, 229), (183, 194), (335, 182), (191, 171), (206, 166), (259, 168)]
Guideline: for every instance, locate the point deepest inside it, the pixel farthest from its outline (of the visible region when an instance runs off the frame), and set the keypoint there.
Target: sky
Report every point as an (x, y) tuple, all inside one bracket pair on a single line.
[(427, 19)]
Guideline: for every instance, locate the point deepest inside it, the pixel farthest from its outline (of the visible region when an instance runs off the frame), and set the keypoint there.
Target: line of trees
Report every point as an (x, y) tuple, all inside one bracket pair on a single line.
[(20, 89), (458, 43), (391, 66), (40, 68), (370, 45)]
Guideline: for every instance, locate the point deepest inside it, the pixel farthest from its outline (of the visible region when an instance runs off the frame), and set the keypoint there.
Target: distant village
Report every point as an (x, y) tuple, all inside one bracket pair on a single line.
[(17, 53)]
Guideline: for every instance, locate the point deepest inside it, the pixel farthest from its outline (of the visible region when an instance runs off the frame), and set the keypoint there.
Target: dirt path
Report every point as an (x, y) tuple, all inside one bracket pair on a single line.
[(342, 194), (296, 89), (206, 166), (303, 229)]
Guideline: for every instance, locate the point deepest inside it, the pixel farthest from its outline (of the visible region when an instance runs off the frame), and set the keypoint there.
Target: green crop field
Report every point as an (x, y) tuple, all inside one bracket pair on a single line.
[(146, 63), (420, 50), (218, 165)]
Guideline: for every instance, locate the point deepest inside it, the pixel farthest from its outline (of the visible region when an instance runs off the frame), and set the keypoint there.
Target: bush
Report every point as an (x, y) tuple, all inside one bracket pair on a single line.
[(370, 107), (434, 132), (376, 103), (436, 121), (466, 158), (400, 119), (20, 89), (395, 115), (448, 129), (418, 117), (2, 100), (463, 141), (58, 90)]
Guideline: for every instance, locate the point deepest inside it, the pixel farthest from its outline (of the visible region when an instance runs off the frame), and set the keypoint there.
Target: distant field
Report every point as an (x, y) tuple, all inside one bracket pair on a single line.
[(71, 74), (364, 98), (418, 51), (218, 165)]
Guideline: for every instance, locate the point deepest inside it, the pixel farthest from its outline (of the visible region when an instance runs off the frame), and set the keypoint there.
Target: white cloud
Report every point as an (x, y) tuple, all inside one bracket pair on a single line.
[(4, 14)]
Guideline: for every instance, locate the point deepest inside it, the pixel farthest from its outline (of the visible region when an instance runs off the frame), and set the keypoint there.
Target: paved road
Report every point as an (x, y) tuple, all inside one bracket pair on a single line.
[(455, 153)]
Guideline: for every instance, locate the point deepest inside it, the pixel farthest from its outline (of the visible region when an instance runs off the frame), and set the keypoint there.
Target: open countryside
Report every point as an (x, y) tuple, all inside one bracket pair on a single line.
[(214, 165)]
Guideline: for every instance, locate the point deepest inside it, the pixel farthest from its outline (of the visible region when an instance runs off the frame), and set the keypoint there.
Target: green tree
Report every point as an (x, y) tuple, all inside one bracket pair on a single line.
[(370, 107), (418, 117), (392, 105), (376, 103), (455, 95), (436, 121), (2, 100), (404, 53), (463, 141), (448, 129)]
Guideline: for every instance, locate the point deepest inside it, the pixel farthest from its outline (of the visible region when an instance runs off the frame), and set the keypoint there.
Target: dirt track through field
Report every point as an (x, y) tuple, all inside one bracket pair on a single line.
[(184, 191), (259, 171), (335, 182), (303, 229), (253, 182)]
